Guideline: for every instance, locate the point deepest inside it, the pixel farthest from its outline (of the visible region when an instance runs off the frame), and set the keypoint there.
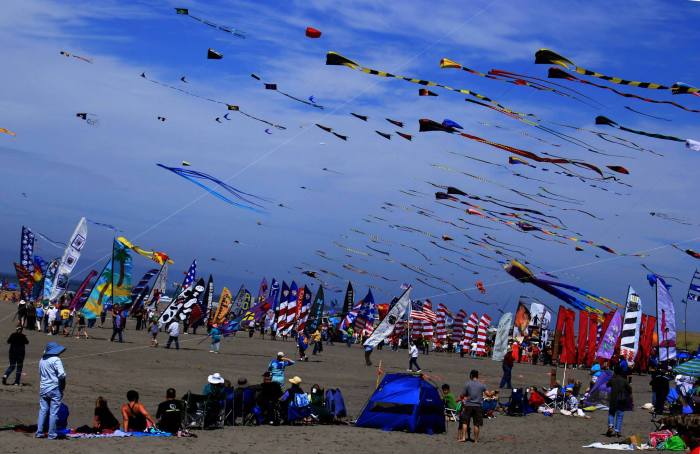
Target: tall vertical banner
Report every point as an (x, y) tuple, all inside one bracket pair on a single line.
[(159, 286), (568, 353), (281, 309), (666, 322), (582, 337), (316, 314), (292, 303), (121, 278), (629, 344), (69, 259), (500, 345), (484, 324), (24, 277), (223, 308), (49, 279), (592, 335), (606, 349), (398, 312), (348, 301), (26, 249), (458, 327), (77, 301), (522, 321)]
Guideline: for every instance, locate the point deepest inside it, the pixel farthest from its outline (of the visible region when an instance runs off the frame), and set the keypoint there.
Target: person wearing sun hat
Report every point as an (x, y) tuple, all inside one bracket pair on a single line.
[(52, 383), (215, 393), (277, 367)]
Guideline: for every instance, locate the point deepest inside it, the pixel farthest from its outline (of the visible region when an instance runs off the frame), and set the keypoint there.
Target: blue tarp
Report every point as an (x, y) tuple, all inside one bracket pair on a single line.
[(404, 402)]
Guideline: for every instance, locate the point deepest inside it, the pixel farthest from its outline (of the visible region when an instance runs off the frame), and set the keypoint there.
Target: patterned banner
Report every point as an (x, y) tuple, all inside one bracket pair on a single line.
[(348, 301), (24, 278), (26, 249), (666, 322), (80, 293), (48, 280), (113, 286), (500, 345), (522, 320), (222, 309), (69, 259), (606, 349), (398, 312), (181, 308), (629, 344), (316, 313)]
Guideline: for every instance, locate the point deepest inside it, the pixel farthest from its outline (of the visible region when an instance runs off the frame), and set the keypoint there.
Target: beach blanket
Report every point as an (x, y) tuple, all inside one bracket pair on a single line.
[(614, 446)]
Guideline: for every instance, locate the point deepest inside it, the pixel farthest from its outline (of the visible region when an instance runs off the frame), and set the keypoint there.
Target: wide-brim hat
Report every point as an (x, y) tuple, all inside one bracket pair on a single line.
[(215, 379), (54, 349), (295, 380)]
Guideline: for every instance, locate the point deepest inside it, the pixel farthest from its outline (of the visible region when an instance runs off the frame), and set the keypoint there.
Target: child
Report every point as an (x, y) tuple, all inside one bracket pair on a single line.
[(81, 326), (154, 333)]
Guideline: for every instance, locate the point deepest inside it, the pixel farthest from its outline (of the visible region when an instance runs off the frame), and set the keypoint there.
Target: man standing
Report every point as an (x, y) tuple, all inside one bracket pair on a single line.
[(173, 335), (413, 353), (17, 341), (117, 325), (472, 400), (508, 362), (277, 367), (53, 382)]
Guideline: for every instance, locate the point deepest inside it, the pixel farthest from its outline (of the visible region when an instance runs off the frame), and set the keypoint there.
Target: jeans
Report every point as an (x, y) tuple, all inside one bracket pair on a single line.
[(172, 339), (117, 332), (505, 380), (214, 346), (413, 362), (49, 402), (15, 362), (318, 346), (615, 420)]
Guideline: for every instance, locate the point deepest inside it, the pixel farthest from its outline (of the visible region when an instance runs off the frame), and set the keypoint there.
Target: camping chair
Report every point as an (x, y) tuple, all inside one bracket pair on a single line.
[(335, 404), (452, 414), (251, 413), (195, 409), (214, 414), (299, 409)]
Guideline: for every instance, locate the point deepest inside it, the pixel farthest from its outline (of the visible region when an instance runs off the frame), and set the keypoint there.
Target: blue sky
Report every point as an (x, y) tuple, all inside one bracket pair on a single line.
[(68, 169)]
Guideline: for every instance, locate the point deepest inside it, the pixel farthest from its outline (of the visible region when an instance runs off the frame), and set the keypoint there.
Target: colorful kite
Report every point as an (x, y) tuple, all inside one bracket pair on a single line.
[(312, 32), (159, 257), (8, 132), (193, 176)]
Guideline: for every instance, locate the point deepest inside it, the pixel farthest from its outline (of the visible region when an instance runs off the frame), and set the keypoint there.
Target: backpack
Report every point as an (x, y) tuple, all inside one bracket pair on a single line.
[(301, 400)]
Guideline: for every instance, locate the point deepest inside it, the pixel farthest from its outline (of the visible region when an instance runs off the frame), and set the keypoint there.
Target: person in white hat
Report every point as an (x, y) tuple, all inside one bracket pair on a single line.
[(215, 394), (277, 367)]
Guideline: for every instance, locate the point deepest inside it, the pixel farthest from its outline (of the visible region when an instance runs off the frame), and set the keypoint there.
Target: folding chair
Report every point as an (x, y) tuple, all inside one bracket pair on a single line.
[(195, 410), (251, 413)]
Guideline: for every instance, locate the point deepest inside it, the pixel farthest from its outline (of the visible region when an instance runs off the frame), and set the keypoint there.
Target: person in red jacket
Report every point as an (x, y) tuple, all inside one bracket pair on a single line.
[(507, 365)]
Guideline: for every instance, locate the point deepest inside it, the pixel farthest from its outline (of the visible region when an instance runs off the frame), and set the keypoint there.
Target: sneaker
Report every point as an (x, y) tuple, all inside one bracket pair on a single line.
[(4, 379), (610, 432), (211, 351)]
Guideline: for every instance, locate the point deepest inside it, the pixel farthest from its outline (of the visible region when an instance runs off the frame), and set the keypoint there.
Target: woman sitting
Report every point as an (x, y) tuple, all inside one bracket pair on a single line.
[(104, 421), (135, 415), (295, 401)]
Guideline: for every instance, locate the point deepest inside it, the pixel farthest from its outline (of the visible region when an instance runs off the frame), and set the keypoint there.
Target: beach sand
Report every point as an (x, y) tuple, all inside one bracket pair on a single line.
[(97, 367)]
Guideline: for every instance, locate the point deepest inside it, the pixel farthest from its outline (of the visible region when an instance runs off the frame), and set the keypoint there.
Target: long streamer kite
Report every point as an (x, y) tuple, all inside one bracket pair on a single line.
[(273, 87), (231, 107), (193, 176), (233, 31), (333, 58), (556, 73), (158, 257), (601, 120), (548, 57)]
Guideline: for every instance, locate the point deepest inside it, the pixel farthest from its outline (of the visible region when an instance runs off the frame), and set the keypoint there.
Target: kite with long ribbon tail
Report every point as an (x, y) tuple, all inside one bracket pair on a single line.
[(233, 31), (193, 176), (8, 132), (690, 252), (601, 120), (556, 73), (426, 125), (230, 107), (68, 54), (333, 58), (158, 257), (273, 87), (548, 57)]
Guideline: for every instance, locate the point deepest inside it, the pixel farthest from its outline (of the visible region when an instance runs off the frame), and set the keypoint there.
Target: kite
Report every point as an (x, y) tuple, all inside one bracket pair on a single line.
[(601, 120), (451, 124), (480, 287), (230, 107), (326, 169), (233, 31), (8, 132), (312, 32), (516, 160), (425, 92), (692, 144), (556, 73), (267, 131), (619, 169), (214, 55), (690, 252), (671, 218), (646, 114), (182, 79), (426, 125), (409, 137), (308, 103), (193, 175), (333, 58), (384, 134), (547, 57), (329, 129), (66, 54), (395, 122), (361, 117), (186, 164), (158, 257), (88, 118)]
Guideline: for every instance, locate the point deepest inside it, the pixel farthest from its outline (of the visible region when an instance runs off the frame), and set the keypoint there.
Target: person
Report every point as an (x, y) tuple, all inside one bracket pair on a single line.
[(268, 398), (348, 336), (22, 313), (117, 325), (596, 372), (52, 384), (215, 334), (659, 390), (30, 323), (81, 326), (134, 414), (413, 361), (303, 344), (620, 393), (154, 333), (52, 314), (277, 367), (65, 320), (139, 318), (170, 413), (368, 354), (214, 386), (104, 420), (448, 399), (472, 401), (316, 339), (39, 315), (215, 393), (173, 335), (290, 398), (474, 347), (507, 367), (17, 341), (535, 353)]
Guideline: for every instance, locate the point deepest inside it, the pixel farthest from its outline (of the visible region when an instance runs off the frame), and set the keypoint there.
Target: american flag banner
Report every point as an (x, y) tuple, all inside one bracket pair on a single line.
[(349, 319), (367, 314), (441, 328), (282, 309), (484, 325), (292, 303), (470, 331), (304, 309), (458, 327), (190, 276), (427, 329)]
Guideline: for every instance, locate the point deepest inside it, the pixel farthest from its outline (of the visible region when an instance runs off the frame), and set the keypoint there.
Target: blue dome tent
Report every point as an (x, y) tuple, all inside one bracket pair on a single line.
[(404, 402)]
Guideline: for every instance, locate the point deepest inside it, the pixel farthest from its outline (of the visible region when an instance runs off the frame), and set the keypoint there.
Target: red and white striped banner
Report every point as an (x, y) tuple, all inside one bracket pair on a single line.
[(484, 324), (458, 327), (441, 329)]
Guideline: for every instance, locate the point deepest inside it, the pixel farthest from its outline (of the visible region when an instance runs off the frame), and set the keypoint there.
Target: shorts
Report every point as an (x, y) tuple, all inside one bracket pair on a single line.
[(473, 413)]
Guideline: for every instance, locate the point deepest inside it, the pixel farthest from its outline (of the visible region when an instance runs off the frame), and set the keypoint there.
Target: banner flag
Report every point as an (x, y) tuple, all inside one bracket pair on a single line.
[(386, 327)]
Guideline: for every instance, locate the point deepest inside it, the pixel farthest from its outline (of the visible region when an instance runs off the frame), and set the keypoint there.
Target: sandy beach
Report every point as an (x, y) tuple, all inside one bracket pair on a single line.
[(98, 367)]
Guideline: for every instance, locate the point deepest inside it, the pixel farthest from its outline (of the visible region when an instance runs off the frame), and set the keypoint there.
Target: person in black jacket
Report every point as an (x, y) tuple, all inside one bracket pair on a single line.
[(17, 341), (659, 389), (620, 397)]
